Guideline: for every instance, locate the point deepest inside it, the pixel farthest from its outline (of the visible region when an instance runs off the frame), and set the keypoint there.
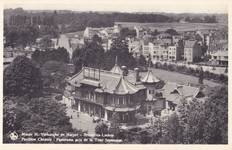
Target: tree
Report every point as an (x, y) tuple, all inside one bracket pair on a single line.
[(191, 116), (171, 32), (54, 73), (174, 130), (97, 39), (115, 120), (141, 61), (201, 76), (216, 114), (20, 35), (101, 129), (45, 43), (60, 54), (155, 32), (126, 32), (91, 55), (22, 77), (34, 115), (119, 48)]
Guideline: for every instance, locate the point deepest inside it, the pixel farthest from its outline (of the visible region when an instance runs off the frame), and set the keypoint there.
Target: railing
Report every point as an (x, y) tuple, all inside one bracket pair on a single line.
[(78, 96), (122, 105)]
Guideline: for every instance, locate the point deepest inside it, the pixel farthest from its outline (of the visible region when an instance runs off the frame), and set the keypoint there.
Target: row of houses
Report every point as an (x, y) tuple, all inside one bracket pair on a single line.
[(188, 46), (165, 50)]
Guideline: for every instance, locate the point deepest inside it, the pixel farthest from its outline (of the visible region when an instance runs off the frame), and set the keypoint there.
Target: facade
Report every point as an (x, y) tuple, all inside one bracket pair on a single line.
[(175, 93), (101, 93), (158, 52), (219, 58), (134, 45), (192, 51), (154, 102), (175, 52), (145, 49), (106, 34)]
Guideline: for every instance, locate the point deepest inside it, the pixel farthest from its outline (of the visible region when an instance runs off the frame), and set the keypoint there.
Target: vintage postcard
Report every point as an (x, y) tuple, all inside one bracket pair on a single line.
[(125, 72)]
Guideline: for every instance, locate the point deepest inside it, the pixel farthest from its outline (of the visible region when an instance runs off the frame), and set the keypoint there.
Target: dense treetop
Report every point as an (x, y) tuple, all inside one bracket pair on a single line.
[(22, 77)]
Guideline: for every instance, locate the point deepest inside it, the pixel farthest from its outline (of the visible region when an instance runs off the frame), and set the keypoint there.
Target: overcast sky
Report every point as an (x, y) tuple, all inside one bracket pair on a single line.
[(170, 6)]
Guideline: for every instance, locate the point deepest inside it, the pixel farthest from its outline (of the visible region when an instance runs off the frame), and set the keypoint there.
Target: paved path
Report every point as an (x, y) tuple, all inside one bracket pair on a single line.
[(180, 78), (82, 121)]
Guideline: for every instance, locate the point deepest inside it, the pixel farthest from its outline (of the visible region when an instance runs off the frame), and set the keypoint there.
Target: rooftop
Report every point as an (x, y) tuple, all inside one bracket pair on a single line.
[(189, 43), (175, 92), (220, 53), (107, 81), (150, 78)]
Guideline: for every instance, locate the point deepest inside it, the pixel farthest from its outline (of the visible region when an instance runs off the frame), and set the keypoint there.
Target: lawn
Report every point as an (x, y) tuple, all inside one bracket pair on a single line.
[(175, 25), (179, 78)]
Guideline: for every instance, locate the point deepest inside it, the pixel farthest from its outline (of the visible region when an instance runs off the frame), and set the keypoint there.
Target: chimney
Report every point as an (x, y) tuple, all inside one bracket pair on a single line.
[(137, 77), (124, 71)]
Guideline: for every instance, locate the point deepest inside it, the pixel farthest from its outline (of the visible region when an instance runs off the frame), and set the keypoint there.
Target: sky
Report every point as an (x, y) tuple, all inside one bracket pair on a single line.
[(168, 6)]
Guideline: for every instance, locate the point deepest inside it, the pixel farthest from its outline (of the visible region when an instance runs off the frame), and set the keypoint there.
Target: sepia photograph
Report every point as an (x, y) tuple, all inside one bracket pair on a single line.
[(115, 73)]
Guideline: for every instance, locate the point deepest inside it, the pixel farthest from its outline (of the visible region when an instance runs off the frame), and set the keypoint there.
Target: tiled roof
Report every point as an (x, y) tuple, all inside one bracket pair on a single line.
[(125, 87), (189, 43), (174, 92), (116, 69), (109, 82), (150, 78), (220, 53), (162, 42)]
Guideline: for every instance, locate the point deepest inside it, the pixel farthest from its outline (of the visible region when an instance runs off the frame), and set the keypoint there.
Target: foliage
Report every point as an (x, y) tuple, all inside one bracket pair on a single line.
[(126, 32), (141, 61), (101, 129), (194, 72), (91, 19), (115, 120), (54, 73), (92, 55), (59, 54), (205, 19), (201, 76), (155, 32), (174, 130), (216, 116), (20, 35), (171, 32), (195, 122), (45, 43), (119, 48), (22, 77), (192, 121), (34, 115)]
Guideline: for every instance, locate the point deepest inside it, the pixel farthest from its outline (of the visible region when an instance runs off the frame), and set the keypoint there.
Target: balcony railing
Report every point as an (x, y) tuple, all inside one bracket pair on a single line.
[(78, 96)]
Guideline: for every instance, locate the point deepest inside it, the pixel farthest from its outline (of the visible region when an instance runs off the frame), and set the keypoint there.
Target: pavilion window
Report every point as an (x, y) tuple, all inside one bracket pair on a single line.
[(123, 117), (113, 99), (120, 100), (123, 100)]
